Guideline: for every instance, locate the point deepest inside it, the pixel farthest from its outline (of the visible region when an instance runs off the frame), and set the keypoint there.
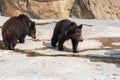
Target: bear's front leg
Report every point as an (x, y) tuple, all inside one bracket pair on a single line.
[(22, 39), (75, 44), (60, 44)]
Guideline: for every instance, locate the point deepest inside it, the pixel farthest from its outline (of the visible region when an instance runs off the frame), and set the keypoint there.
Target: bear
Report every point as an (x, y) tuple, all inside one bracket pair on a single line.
[(65, 30), (15, 29)]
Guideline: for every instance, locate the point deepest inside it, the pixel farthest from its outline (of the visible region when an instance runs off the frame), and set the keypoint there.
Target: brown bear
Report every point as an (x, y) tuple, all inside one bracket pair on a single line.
[(64, 30), (16, 28)]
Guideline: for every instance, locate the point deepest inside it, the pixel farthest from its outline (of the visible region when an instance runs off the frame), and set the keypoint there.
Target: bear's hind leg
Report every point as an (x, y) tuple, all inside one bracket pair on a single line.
[(54, 41), (13, 43)]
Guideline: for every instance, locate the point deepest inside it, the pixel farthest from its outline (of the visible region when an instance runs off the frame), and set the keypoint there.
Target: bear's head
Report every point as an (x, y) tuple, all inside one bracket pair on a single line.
[(32, 32), (76, 33), (29, 25)]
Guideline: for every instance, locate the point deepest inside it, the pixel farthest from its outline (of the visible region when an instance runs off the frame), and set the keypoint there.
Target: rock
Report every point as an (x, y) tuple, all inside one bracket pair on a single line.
[(37, 8), (14, 8), (79, 10), (104, 9), (9, 8), (52, 9), (85, 9)]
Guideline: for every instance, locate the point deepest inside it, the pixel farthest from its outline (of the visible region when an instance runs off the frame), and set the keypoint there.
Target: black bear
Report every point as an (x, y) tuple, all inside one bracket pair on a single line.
[(64, 30), (16, 28)]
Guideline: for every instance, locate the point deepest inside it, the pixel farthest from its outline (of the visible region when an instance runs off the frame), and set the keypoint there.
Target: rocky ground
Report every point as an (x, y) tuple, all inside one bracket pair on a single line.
[(98, 57)]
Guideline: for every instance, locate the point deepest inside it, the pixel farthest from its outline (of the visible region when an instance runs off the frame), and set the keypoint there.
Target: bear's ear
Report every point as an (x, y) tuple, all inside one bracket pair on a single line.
[(80, 26), (32, 24)]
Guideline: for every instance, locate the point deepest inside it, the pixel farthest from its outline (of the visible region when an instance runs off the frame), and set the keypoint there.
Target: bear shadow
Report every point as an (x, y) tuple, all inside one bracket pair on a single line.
[(49, 46), (113, 53), (118, 65), (116, 54)]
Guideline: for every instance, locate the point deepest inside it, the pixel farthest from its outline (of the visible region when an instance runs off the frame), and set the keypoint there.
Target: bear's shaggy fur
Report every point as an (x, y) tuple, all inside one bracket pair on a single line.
[(64, 30), (16, 28)]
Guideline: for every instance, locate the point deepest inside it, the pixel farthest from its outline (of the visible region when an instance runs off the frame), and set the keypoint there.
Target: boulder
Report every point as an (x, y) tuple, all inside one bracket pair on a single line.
[(104, 9), (37, 8), (51, 9), (80, 10), (84, 9)]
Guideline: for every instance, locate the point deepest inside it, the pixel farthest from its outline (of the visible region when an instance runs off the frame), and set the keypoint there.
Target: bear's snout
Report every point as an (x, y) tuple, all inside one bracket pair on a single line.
[(80, 39), (33, 36)]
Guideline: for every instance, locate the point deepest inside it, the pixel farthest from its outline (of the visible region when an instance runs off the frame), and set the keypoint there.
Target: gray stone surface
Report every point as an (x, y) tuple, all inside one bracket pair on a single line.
[(98, 57)]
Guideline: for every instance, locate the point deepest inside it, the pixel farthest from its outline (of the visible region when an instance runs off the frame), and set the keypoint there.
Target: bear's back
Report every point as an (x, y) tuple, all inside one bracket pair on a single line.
[(12, 23)]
